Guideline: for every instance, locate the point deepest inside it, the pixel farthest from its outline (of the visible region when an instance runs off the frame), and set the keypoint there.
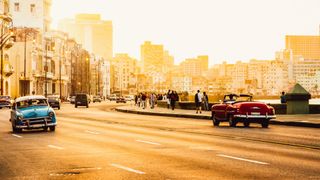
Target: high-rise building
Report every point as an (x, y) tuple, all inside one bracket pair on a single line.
[(306, 46), (124, 74), (95, 34), (31, 13), (152, 57), (195, 66)]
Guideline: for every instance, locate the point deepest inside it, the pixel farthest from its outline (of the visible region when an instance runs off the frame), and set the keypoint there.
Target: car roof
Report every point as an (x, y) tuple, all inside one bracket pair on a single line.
[(25, 98)]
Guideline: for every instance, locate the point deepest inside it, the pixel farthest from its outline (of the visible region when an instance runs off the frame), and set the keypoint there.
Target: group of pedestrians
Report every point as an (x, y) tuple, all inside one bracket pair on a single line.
[(141, 100), (171, 97), (201, 100)]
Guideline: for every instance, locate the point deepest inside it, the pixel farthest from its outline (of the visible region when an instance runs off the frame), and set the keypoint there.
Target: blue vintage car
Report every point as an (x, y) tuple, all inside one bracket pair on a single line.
[(32, 112)]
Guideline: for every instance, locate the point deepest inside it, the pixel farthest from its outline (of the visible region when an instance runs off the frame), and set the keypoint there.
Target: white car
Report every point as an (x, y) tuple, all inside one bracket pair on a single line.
[(129, 97)]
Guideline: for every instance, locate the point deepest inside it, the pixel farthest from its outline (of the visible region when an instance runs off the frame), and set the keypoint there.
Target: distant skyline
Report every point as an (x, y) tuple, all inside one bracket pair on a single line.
[(228, 30)]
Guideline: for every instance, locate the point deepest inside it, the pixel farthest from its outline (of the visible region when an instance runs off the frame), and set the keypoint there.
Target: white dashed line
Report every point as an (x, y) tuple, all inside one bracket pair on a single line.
[(242, 159), (127, 169), (16, 136), (92, 132), (148, 142), (55, 147), (202, 148), (87, 169)]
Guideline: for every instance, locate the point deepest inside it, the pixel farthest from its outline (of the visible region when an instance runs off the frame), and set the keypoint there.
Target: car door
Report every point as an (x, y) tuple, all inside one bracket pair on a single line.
[(219, 111)]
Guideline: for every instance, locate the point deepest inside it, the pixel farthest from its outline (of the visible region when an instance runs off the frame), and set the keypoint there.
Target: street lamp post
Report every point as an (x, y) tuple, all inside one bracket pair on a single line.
[(60, 66), (46, 71)]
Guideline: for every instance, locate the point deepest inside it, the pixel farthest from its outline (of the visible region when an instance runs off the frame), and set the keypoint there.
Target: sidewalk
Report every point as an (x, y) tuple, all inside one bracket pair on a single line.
[(302, 120)]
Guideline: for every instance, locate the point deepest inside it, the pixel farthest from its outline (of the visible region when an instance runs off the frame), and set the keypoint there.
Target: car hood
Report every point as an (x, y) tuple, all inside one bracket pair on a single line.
[(34, 112)]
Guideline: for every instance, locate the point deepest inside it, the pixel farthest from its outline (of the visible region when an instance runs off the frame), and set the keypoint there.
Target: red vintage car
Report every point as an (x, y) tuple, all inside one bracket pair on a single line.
[(241, 108)]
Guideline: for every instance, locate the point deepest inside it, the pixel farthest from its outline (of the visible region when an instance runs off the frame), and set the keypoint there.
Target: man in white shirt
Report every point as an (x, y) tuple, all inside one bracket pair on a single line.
[(198, 100)]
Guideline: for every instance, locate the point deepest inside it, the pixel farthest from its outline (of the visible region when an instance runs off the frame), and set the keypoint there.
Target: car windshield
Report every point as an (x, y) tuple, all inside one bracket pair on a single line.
[(32, 102), (5, 97), (243, 98), (236, 98), (53, 98)]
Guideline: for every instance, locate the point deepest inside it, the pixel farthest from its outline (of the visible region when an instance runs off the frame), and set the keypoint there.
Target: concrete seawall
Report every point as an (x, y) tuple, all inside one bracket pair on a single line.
[(280, 108)]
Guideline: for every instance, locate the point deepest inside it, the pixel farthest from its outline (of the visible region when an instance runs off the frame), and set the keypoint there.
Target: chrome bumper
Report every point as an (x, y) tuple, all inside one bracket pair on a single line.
[(255, 116), (36, 125)]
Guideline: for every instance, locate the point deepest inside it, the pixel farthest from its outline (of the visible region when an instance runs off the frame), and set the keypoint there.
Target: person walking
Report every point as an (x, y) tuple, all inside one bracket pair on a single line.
[(173, 98), (136, 99), (152, 100), (198, 101), (205, 101), (143, 100), (168, 99), (283, 98)]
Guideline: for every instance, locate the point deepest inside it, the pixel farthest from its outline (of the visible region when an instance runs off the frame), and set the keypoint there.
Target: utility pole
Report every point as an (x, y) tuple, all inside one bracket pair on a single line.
[(46, 70), (60, 66), (25, 62)]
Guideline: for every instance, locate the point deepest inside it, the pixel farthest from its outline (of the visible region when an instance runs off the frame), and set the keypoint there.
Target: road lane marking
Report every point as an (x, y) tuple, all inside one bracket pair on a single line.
[(16, 136), (55, 147), (202, 148), (242, 159), (127, 168), (92, 132), (89, 168), (148, 142)]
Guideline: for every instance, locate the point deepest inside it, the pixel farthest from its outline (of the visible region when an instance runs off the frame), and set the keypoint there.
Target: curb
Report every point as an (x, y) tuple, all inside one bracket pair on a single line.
[(206, 117)]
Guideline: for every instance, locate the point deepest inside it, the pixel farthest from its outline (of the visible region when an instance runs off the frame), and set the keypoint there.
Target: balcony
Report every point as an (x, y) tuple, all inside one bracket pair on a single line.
[(8, 70)]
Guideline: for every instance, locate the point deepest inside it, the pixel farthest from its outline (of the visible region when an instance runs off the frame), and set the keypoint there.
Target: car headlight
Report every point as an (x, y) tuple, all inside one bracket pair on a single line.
[(19, 118), (51, 114)]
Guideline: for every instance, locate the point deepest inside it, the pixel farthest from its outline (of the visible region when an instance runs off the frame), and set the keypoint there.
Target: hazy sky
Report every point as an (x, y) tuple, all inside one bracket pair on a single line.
[(223, 29)]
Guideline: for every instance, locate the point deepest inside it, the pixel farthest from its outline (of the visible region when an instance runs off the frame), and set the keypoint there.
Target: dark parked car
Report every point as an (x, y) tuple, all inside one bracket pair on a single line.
[(5, 101), (97, 99), (241, 108), (82, 100), (54, 101)]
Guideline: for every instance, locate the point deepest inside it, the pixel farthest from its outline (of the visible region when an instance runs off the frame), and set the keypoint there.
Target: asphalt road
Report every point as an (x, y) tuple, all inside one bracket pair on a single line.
[(100, 143)]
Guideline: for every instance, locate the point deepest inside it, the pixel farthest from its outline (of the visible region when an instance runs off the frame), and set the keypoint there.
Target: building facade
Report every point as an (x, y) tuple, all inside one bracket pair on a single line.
[(36, 11), (95, 34)]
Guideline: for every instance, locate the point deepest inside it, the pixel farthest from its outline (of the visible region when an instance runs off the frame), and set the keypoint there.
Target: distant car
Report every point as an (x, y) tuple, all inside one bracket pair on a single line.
[(121, 100), (82, 100), (32, 112), (241, 108), (5, 101), (97, 99), (129, 97), (113, 97), (72, 99), (54, 101)]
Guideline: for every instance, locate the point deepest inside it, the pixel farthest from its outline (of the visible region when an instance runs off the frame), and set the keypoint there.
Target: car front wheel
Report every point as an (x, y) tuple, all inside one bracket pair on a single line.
[(16, 130), (232, 122), (52, 128), (215, 121)]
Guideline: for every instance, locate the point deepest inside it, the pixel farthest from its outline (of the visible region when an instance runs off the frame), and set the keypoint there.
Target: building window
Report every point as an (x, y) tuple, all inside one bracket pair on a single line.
[(32, 8), (16, 7)]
